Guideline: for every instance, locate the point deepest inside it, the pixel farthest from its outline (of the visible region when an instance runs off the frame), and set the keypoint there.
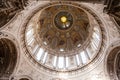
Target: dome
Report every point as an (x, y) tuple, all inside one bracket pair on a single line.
[(62, 37), (59, 39), (62, 29)]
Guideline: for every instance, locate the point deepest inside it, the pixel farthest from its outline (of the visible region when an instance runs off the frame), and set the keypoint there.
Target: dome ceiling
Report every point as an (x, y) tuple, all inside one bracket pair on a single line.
[(63, 27), (62, 37)]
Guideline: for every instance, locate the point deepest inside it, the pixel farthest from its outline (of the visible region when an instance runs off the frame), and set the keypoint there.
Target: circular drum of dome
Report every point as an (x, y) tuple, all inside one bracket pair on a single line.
[(62, 37)]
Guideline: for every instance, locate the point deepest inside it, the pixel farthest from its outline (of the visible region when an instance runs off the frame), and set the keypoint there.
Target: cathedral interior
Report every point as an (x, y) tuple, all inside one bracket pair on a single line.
[(59, 39)]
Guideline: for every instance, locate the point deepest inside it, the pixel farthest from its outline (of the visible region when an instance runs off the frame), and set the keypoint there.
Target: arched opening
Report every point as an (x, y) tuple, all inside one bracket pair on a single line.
[(8, 58), (24, 79), (118, 65), (113, 64)]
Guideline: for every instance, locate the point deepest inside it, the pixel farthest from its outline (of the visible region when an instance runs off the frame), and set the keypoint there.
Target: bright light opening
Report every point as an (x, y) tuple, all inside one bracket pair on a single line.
[(39, 54), (45, 56), (83, 56), (61, 62), (78, 60), (63, 19), (55, 61)]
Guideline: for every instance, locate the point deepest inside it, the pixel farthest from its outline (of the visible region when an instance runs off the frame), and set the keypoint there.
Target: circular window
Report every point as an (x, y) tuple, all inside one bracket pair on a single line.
[(63, 20), (63, 37)]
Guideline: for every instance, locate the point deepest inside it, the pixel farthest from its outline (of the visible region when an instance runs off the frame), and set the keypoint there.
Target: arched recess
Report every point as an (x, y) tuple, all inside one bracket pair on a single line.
[(113, 63), (23, 79), (8, 58)]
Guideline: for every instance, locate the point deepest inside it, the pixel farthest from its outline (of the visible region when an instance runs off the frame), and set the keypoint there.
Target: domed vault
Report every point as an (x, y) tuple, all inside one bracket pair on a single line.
[(61, 37), (63, 27)]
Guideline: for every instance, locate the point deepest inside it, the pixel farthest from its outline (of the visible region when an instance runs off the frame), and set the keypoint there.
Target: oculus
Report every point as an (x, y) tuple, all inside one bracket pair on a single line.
[(63, 20)]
